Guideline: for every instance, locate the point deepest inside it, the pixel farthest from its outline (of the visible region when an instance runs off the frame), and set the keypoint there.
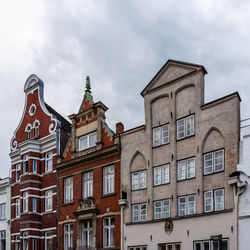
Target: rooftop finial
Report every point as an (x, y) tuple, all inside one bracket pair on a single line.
[(88, 87)]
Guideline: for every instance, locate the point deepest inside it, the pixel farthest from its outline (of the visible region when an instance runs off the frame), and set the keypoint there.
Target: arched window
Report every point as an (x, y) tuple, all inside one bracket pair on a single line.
[(36, 127), (28, 130)]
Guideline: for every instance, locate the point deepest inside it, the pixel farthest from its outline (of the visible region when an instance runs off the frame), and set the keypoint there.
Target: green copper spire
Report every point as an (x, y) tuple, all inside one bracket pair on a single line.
[(88, 87)]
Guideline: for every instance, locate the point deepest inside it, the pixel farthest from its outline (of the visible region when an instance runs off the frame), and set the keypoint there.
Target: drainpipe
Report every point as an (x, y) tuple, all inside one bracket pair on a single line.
[(122, 204), (238, 188)]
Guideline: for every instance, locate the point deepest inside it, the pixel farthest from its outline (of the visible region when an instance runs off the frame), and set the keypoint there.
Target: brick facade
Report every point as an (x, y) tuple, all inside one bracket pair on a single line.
[(95, 207), (34, 223)]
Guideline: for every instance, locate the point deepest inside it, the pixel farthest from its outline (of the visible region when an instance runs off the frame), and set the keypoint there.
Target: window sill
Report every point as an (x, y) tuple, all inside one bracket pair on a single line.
[(67, 203), (108, 195), (48, 212), (159, 185), (158, 146), (134, 190), (213, 173), (190, 136), (186, 179), (48, 172)]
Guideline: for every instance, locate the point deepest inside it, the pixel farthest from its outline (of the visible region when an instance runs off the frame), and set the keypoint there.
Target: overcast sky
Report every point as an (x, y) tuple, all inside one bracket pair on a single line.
[(121, 45)]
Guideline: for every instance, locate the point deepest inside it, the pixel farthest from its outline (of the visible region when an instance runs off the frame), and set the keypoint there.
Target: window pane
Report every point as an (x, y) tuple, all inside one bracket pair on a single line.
[(142, 179), (182, 206), (197, 246), (165, 174), (218, 160), (190, 125), (165, 134), (208, 200), (83, 143), (190, 168), (157, 175), (157, 209), (92, 139), (156, 136), (206, 245), (181, 170), (208, 163), (219, 199), (191, 204), (181, 129), (166, 209)]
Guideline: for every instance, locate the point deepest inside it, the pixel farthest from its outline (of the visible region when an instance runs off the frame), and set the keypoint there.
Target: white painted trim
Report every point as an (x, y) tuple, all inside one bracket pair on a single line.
[(37, 229), (38, 189)]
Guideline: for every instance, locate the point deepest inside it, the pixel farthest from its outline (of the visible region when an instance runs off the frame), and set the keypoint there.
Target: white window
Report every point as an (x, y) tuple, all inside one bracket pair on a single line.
[(162, 209), (68, 236), (48, 200), (3, 211), (186, 169), (48, 161), (34, 205), (87, 141), (139, 180), (34, 166), (25, 201), (161, 135), (214, 200), (211, 244), (108, 179), (214, 161), (25, 240), (49, 241), (185, 127), (137, 248), (139, 212), (18, 169), (161, 175), (17, 207), (87, 184), (17, 243), (186, 205), (108, 232), (86, 234), (68, 189), (25, 164)]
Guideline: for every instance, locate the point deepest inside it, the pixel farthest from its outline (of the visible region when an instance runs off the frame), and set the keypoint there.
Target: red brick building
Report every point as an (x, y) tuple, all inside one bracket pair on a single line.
[(89, 181), (39, 138)]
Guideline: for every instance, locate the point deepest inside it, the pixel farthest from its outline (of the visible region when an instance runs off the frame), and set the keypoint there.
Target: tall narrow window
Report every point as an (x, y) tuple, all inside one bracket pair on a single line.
[(161, 175), (48, 200), (25, 163), (25, 201), (36, 127), (219, 199), (17, 207), (87, 141), (25, 240), (17, 243), (161, 135), (49, 240), (87, 184), (34, 166), (34, 205), (208, 201), (68, 189), (185, 127), (87, 234), (108, 232), (3, 211), (68, 236), (18, 169), (48, 162), (108, 179), (139, 180)]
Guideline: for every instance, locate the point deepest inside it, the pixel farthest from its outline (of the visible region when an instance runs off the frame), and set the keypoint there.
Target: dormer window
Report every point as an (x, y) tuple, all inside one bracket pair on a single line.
[(28, 130), (87, 141)]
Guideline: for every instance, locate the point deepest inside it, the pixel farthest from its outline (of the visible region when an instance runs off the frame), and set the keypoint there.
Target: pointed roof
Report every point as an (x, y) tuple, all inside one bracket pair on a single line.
[(187, 68)]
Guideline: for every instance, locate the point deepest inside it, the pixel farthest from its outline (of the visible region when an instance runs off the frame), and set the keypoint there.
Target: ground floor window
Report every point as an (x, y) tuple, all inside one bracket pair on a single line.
[(17, 243), (170, 246), (137, 248), (211, 245), (34, 244), (25, 241), (87, 233), (68, 236), (108, 231), (48, 240), (2, 240)]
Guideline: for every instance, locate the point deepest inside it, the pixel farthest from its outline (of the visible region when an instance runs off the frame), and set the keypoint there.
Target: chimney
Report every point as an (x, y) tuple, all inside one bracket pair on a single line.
[(119, 128)]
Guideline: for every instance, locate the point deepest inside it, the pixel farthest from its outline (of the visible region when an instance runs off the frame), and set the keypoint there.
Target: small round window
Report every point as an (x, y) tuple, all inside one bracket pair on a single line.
[(32, 109)]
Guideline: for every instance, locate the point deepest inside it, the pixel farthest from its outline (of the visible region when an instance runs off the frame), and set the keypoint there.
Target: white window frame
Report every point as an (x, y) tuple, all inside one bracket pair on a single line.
[(137, 248), (161, 135), (161, 175), (25, 240), (88, 141), (139, 212), (48, 200), (86, 226), (187, 205), (184, 169), (87, 184), (109, 229), (34, 244), (214, 200), (34, 205), (185, 127), (68, 189), (164, 207), (17, 243), (18, 210), (48, 236), (67, 236), (213, 166), (34, 166), (201, 243), (18, 172), (2, 211), (139, 180), (108, 179), (48, 162), (25, 164), (25, 202)]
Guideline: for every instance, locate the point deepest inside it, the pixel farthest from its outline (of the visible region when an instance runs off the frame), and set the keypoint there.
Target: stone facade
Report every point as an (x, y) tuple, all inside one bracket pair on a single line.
[(5, 189), (89, 181), (39, 138), (189, 132)]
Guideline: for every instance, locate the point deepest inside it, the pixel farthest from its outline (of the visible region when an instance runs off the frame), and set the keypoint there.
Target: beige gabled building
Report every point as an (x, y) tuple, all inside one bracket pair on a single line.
[(175, 168)]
